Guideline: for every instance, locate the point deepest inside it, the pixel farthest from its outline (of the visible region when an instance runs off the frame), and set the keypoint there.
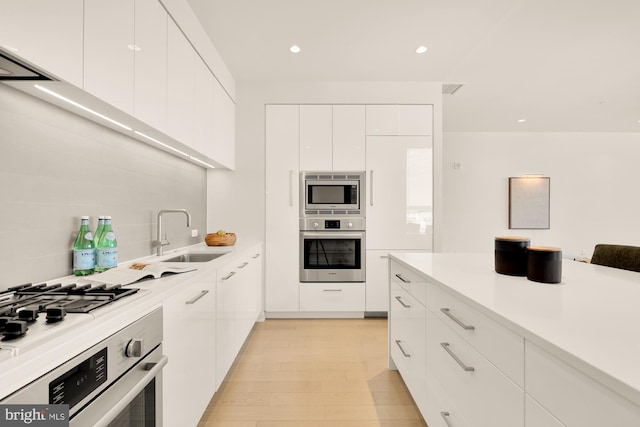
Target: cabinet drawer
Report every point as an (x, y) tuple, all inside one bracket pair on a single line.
[(574, 398), (483, 393), (440, 410), (503, 347), (411, 281), (407, 344), (332, 296), (537, 416)]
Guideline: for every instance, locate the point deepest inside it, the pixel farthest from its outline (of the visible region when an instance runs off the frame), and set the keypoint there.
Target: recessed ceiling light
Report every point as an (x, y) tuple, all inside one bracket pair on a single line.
[(134, 47), (294, 49), (421, 49), (522, 120)]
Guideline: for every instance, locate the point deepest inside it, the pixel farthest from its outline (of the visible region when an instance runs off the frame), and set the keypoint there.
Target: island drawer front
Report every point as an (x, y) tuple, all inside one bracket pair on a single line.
[(537, 416), (484, 394), (411, 281), (407, 345), (440, 407), (503, 347), (332, 297), (573, 397)]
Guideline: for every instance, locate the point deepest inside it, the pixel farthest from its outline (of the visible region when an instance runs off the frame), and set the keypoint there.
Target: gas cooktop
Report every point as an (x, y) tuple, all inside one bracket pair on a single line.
[(30, 314)]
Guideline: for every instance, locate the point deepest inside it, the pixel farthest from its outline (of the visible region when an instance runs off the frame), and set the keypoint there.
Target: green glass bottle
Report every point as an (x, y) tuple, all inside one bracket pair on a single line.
[(84, 250), (99, 230), (107, 248)]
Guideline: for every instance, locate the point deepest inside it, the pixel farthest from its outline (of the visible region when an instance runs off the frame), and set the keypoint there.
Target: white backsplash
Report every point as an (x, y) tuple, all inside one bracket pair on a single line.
[(56, 166)]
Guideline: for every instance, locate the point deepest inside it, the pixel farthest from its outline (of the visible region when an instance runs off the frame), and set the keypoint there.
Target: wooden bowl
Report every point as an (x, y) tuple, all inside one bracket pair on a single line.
[(215, 239)]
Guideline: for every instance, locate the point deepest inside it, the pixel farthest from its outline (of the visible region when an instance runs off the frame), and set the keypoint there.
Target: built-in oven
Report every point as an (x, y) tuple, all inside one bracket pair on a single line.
[(332, 193), (117, 382), (332, 249)]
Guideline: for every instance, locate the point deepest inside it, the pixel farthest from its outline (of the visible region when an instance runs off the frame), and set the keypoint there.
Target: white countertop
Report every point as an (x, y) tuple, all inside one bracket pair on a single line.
[(19, 370), (591, 319)]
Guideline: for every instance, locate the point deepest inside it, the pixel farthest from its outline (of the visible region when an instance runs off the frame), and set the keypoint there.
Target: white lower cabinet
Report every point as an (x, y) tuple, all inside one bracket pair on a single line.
[(407, 346), (536, 416), (483, 393), (189, 377), (332, 297), (572, 397), (441, 411), (237, 307)]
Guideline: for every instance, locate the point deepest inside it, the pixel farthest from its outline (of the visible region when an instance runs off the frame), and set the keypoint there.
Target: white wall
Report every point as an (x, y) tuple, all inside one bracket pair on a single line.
[(236, 199), (56, 166), (595, 193)]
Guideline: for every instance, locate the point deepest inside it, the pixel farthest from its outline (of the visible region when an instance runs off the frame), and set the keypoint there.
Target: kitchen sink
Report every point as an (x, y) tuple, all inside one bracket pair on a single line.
[(194, 257)]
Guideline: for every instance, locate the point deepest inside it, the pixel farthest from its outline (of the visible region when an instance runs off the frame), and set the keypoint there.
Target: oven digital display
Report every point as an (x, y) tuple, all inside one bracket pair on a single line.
[(331, 224), (78, 382)]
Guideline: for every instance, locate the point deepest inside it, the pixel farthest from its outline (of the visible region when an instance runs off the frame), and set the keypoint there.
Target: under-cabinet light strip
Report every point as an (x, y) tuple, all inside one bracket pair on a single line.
[(82, 107), (202, 162), (161, 143)]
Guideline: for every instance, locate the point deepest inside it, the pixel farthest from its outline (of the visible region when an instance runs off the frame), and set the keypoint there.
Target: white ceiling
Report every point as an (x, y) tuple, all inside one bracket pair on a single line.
[(563, 65)]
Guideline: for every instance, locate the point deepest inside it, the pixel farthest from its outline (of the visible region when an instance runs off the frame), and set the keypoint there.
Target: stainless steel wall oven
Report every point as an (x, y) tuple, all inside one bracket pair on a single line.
[(332, 250)]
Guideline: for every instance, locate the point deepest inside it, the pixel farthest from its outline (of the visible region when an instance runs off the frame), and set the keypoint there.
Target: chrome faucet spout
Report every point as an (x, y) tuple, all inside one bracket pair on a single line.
[(162, 243)]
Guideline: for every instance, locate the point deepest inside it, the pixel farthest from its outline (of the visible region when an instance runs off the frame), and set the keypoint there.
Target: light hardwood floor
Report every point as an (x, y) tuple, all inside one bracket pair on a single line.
[(313, 373)]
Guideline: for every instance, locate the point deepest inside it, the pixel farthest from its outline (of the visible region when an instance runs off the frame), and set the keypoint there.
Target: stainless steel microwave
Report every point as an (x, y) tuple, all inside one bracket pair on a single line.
[(332, 193)]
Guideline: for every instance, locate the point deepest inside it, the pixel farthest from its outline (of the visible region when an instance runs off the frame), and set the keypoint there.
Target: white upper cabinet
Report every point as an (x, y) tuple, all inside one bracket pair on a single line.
[(399, 119), (316, 152), (150, 88), (45, 33), (400, 192), (348, 137), (180, 86), (332, 137), (109, 44), (203, 140), (224, 126)]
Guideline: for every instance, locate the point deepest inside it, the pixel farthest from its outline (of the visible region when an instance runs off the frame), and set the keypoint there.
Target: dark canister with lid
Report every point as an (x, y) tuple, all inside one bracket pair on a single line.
[(544, 264), (511, 255)]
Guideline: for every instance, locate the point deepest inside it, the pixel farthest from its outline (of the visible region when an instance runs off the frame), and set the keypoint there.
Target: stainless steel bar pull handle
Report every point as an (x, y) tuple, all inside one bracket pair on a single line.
[(197, 297), (256, 256), (229, 275), (445, 416), (244, 264), (332, 290), (404, 353), (399, 276), (466, 368), (371, 188), (464, 326), (291, 188), (399, 298)]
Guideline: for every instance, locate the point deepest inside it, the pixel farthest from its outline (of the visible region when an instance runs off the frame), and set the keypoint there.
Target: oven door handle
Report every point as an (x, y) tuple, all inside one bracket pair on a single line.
[(332, 235), (152, 371)]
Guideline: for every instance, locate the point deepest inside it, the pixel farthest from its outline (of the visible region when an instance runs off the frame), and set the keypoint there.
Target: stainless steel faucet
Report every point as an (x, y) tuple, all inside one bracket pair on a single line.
[(162, 243)]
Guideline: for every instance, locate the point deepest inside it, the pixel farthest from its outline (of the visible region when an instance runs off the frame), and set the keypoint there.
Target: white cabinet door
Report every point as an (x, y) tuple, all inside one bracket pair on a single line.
[(189, 342), (400, 192), (377, 285), (316, 151), (180, 86), (109, 51), (399, 120), (348, 137), (282, 209), (224, 126), (226, 315), (150, 88), (59, 50), (536, 416), (203, 112)]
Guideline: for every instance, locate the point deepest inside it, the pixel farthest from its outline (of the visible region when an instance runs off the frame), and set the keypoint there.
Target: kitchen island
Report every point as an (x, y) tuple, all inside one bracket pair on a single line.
[(503, 350)]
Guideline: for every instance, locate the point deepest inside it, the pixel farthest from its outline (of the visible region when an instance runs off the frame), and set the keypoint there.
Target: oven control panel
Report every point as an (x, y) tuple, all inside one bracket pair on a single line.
[(333, 224)]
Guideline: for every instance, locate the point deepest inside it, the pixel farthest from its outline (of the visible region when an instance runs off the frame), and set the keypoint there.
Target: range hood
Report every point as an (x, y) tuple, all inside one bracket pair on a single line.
[(12, 69)]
